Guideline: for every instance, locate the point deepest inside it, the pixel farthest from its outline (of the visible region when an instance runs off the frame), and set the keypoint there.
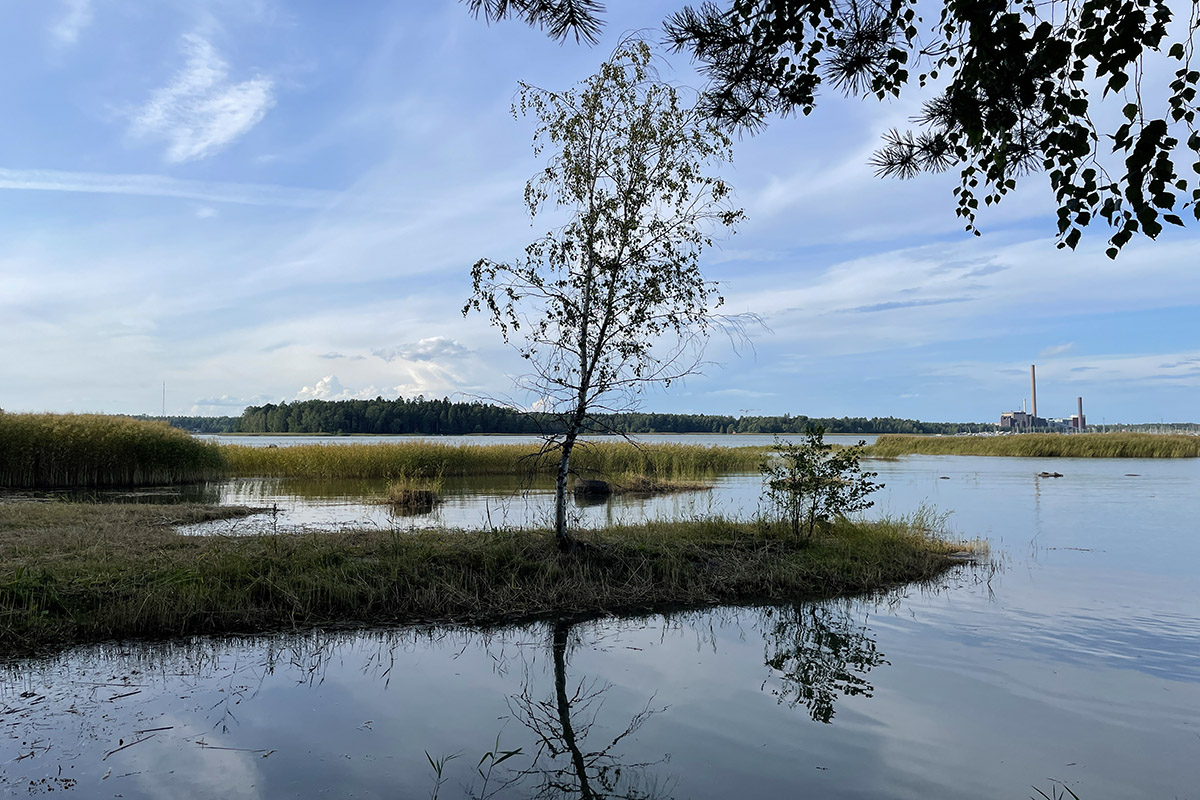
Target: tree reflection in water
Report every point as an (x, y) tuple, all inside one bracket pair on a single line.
[(571, 745), (564, 763), (820, 651)]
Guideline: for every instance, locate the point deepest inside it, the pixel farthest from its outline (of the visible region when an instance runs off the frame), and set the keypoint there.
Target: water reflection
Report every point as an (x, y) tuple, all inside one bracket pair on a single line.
[(274, 710), (821, 652), (571, 759)]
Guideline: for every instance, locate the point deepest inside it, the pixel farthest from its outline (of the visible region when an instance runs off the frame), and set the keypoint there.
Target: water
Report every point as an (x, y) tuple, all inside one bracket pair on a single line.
[(1077, 659)]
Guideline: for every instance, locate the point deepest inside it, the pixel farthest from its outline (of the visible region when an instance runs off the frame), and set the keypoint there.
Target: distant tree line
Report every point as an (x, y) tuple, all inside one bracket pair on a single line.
[(421, 416)]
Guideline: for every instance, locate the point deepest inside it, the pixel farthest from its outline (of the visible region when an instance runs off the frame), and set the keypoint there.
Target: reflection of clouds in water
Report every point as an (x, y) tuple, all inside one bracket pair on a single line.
[(471, 504), (188, 771)]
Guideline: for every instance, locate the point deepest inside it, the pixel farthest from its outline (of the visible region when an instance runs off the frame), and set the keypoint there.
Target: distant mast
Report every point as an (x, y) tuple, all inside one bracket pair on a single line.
[(164, 399)]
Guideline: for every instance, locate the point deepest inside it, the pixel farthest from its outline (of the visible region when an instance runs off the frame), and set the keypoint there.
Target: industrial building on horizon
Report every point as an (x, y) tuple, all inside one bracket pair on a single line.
[(1024, 421)]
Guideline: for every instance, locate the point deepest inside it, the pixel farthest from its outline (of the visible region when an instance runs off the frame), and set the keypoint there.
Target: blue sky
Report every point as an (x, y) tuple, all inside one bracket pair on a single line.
[(258, 200)]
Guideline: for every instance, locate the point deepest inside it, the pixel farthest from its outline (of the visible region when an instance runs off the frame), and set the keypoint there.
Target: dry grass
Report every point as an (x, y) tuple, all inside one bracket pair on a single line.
[(92, 450), (427, 459), (638, 483), (75, 572), (1042, 445), (414, 495)]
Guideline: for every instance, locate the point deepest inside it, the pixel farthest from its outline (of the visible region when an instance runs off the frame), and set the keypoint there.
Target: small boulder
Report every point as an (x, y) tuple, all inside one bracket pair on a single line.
[(592, 488)]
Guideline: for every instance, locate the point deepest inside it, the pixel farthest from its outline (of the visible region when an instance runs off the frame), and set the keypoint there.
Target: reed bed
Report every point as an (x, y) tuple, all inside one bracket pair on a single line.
[(414, 495), (1042, 445), (640, 483), (93, 450), (74, 572), (427, 459)]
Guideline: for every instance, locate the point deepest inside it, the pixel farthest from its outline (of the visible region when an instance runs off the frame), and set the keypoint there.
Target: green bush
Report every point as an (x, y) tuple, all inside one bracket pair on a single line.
[(807, 485)]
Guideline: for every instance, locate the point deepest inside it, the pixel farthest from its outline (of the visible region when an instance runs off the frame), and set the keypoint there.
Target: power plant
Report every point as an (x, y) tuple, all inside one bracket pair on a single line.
[(1025, 421)]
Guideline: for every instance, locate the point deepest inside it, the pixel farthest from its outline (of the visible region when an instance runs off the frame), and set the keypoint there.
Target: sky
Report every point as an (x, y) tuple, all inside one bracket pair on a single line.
[(252, 201)]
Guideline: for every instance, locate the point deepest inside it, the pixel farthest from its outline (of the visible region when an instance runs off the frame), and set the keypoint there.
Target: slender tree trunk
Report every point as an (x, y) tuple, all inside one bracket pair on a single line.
[(561, 629), (561, 534)]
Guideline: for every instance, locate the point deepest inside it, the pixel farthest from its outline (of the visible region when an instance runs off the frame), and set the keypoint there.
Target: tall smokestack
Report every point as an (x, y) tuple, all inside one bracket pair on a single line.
[(1033, 387), (1082, 424)]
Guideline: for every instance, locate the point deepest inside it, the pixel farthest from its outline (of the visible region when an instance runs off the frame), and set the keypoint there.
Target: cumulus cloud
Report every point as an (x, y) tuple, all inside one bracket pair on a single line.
[(330, 388), (77, 15), (201, 111), (434, 348), (331, 355)]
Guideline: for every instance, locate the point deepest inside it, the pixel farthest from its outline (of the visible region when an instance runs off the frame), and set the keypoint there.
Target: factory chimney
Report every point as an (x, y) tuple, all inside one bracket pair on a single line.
[(1033, 387), (1082, 424)]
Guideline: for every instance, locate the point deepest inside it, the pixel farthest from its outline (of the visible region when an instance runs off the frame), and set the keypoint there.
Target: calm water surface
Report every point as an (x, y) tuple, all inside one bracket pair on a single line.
[(1077, 659)]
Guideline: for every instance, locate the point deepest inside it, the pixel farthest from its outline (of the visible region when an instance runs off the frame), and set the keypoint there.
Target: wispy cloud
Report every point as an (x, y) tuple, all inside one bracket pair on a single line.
[(77, 15), (892, 305), (225, 401), (331, 355), (431, 349), (740, 393), (159, 186), (1056, 350), (200, 111)]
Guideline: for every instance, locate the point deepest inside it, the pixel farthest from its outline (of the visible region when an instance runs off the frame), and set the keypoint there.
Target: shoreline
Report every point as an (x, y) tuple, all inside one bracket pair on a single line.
[(73, 573), (1040, 445)]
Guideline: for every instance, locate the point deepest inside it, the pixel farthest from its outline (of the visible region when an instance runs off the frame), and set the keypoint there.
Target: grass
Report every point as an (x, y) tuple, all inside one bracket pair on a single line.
[(76, 572), (93, 450), (1042, 445), (640, 483), (427, 459), (414, 495)]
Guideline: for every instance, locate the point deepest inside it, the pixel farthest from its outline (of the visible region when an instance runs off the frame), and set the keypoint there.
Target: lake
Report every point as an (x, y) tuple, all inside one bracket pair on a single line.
[(1073, 657)]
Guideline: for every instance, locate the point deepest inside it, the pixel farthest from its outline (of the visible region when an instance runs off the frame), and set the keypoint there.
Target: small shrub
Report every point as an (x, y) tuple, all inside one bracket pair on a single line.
[(811, 483)]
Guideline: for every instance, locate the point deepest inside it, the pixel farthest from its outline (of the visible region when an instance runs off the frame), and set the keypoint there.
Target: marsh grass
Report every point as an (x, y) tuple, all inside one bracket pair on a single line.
[(640, 483), (93, 450), (75, 572), (414, 495), (427, 459), (1042, 445)]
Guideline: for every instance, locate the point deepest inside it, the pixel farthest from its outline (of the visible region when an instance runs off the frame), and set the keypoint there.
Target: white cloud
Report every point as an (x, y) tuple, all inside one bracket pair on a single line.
[(225, 404), (77, 15), (200, 111), (1056, 350), (330, 388), (431, 349), (158, 186)]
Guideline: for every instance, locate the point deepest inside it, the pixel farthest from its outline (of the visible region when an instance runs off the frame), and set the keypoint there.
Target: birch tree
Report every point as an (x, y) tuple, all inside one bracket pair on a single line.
[(612, 300)]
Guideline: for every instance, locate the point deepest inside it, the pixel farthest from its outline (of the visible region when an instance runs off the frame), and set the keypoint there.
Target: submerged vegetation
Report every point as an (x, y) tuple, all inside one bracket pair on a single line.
[(1042, 445), (78, 572), (93, 450)]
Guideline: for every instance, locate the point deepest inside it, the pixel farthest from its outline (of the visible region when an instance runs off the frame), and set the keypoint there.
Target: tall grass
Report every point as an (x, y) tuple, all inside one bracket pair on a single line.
[(77, 572), (92, 450), (414, 495), (1042, 445), (428, 459)]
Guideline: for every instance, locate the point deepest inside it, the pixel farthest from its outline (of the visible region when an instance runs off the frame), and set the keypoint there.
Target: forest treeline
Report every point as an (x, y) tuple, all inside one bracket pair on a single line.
[(421, 416)]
